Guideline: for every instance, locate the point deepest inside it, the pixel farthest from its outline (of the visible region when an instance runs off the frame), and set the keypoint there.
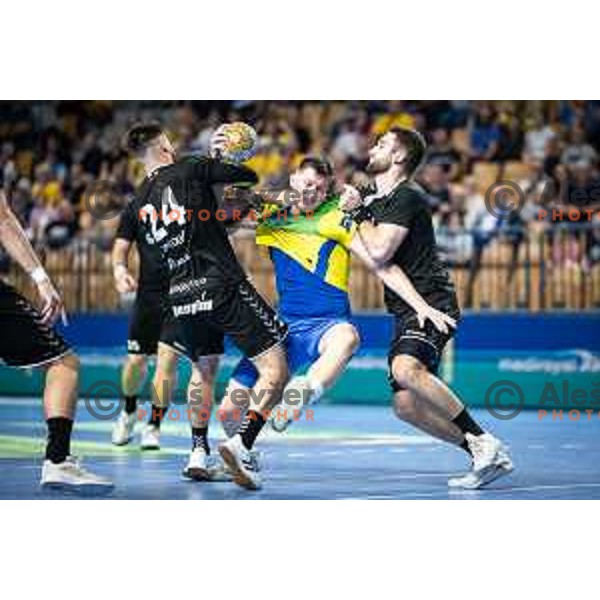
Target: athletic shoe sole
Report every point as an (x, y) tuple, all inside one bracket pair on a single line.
[(125, 443), (84, 489), (237, 473), (197, 474), (485, 477)]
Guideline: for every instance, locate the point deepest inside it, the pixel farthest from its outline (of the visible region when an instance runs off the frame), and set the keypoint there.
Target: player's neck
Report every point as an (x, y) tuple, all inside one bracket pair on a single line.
[(151, 166), (386, 182)]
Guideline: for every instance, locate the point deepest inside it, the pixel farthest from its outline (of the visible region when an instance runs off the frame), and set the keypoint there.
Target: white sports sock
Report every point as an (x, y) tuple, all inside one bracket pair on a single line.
[(317, 390)]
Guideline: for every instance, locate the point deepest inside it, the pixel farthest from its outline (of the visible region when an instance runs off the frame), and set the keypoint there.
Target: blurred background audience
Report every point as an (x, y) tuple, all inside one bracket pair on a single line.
[(50, 152)]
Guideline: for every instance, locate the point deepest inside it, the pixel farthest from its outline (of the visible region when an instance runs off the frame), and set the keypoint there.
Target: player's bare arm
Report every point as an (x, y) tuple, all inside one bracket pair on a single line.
[(15, 241), (395, 278), (124, 281), (380, 240)]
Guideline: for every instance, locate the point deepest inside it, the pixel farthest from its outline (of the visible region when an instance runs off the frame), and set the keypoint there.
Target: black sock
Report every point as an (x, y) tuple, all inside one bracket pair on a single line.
[(466, 424), (251, 427), (157, 414), (58, 446), (465, 446), (200, 439), (130, 404)]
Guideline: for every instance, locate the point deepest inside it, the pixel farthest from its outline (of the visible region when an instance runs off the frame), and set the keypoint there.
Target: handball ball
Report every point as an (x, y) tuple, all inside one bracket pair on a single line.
[(242, 141)]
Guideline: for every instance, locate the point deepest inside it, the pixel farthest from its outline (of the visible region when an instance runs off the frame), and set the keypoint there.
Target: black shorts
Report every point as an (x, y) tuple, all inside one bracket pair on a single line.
[(150, 321), (239, 312), (24, 340), (426, 344)]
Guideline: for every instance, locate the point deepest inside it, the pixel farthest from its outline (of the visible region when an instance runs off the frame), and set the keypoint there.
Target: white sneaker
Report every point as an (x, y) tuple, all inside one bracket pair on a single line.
[(123, 429), (484, 450), (500, 466), (285, 412), (198, 465), (241, 463), (150, 439), (71, 473)]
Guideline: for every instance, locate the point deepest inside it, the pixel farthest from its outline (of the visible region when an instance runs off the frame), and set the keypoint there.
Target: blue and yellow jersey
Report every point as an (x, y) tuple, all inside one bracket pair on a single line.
[(311, 259)]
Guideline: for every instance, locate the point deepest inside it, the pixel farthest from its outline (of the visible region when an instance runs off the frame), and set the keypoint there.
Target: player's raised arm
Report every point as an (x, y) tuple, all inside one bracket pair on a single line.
[(395, 279), (15, 241)]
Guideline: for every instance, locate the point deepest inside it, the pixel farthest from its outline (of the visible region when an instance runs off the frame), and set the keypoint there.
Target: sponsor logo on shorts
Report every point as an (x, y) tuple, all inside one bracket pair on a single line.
[(200, 305)]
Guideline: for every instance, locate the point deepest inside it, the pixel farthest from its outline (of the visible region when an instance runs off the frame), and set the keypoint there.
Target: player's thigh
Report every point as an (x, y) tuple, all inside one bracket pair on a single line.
[(414, 348), (342, 336), (253, 325), (25, 340), (145, 324), (197, 338)]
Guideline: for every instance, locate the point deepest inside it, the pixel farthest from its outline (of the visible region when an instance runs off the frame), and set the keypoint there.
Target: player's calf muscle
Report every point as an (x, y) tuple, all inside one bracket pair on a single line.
[(60, 393)]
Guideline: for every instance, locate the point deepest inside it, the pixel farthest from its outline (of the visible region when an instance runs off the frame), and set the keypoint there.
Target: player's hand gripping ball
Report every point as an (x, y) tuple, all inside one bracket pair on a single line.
[(236, 142)]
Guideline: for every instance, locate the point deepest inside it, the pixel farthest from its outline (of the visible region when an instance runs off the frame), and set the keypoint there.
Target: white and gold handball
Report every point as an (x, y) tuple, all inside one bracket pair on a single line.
[(242, 141)]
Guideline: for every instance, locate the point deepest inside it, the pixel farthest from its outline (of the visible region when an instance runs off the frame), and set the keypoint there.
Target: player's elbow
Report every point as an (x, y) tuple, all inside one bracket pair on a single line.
[(380, 255)]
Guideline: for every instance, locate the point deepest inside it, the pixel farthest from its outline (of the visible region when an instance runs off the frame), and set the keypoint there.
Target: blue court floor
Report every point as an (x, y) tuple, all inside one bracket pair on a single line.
[(348, 452)]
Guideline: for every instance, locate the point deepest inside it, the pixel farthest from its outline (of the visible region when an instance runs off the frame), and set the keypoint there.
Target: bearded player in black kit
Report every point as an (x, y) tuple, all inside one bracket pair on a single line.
[(209, 293), (394, 223)]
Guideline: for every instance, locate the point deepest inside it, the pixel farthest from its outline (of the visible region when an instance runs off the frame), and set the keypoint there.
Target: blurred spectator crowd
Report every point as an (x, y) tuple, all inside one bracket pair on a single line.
[(51, 151)]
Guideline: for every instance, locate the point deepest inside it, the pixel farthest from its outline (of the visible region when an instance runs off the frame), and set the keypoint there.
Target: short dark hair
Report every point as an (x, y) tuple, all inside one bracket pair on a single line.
[(140, 136), (321, 165), (415, 145)]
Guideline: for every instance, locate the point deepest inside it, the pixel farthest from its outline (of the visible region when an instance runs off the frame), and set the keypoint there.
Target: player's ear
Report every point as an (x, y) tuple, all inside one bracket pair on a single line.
[(400, 156)]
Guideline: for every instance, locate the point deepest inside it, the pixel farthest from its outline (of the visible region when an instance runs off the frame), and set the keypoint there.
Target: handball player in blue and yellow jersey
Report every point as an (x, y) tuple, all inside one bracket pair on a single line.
[(310, 244)]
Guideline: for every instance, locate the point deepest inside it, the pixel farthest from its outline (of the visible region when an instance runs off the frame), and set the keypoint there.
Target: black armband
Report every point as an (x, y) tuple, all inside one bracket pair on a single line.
[(361, 214)]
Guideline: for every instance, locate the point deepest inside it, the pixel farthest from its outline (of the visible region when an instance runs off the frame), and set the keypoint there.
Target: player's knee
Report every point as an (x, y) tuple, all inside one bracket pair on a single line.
[(136, 364), (205, 371), (69, 361), (348, 338), (166, 360), (405, 406), (137, 361), (275, 370), (407, 371)]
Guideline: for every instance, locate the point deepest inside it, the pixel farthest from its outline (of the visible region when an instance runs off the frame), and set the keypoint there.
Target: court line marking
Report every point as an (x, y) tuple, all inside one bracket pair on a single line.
[(479, 493)]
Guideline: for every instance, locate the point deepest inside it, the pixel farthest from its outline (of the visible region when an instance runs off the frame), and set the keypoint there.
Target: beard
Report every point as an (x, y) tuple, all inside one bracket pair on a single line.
[(378, 165)]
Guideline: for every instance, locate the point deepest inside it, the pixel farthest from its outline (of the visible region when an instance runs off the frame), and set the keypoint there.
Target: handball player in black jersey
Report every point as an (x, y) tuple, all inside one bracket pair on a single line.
[(28, 340), (209, 293), (395, 226), (153, 331)]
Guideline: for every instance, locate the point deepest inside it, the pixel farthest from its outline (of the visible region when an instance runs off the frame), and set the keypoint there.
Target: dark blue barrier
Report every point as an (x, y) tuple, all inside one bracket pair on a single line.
[(491, 331)]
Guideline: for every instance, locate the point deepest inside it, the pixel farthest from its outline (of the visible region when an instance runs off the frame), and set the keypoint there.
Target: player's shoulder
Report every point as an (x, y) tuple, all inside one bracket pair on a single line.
[(408, 191), (333, 222)]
